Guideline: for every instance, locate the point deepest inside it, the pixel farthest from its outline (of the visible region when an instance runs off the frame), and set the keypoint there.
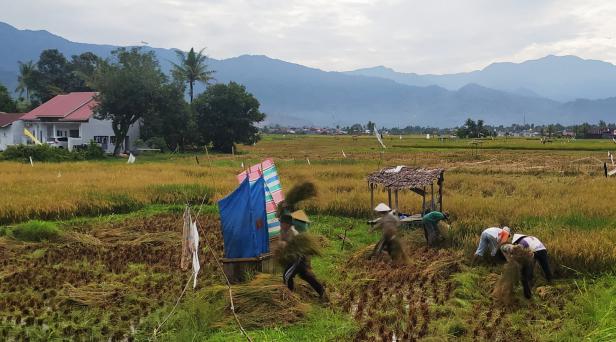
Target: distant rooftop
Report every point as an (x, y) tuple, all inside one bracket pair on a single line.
[(78, 106), (6, 119)]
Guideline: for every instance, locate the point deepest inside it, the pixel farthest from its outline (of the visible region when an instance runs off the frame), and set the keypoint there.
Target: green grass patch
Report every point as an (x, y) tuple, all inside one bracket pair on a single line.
[(35, 231)]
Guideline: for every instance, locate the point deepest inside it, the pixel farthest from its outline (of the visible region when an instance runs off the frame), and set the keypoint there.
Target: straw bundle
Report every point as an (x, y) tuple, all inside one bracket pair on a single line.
[(298, 193), (504, 287), (302, 245), (102, 294), (263, 302)]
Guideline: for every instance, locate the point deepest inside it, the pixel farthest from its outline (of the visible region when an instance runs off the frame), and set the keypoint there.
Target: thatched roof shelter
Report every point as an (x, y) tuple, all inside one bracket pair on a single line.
[(409, 178), (405, 178)]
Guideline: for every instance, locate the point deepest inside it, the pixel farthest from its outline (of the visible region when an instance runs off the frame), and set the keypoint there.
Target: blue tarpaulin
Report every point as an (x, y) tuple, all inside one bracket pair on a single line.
[(244, 221)]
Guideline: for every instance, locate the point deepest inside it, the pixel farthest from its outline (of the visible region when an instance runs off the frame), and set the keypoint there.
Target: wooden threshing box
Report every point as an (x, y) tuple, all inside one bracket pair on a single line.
[(239, 270)]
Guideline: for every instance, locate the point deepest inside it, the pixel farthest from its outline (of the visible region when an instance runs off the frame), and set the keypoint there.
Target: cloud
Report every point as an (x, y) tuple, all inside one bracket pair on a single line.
[(412, 36)]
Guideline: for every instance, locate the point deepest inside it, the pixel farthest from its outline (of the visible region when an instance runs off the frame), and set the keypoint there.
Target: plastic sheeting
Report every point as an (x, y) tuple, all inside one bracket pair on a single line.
[(244, 221)]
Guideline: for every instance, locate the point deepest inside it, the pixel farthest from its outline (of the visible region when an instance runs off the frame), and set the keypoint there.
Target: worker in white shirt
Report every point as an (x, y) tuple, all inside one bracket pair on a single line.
[(539, 251), (492, 238)]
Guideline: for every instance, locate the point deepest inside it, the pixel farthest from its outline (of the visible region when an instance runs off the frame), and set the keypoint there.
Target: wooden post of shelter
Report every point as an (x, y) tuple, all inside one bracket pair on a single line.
[(396, 197), (432, 196), (440, 192), (389, 197), (371, 196), (423, 200)]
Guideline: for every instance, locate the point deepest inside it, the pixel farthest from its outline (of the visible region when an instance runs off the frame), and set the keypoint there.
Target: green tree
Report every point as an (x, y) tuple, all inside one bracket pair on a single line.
[(130, 86), (26, 79), (6, 102), (371, 125), (226, 115), (192, 68), (83, 68), (52, 75), (174, 122)]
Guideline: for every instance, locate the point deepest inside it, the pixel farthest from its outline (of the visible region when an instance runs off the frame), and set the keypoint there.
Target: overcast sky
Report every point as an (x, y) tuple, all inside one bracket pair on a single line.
[(411, 36)]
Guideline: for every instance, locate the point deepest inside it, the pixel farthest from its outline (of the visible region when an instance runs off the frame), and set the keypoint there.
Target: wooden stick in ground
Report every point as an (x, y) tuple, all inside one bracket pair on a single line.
[(228, 286)]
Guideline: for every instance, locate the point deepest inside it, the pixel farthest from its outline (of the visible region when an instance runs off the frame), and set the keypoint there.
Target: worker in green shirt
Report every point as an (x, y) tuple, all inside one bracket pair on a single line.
[(430, 221)]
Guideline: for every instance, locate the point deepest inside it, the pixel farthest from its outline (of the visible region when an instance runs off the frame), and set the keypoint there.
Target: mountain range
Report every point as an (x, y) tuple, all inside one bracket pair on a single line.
[(564, 89)]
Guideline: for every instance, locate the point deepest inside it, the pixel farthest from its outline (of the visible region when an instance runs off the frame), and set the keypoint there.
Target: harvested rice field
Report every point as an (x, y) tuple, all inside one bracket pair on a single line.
[(91, 250)]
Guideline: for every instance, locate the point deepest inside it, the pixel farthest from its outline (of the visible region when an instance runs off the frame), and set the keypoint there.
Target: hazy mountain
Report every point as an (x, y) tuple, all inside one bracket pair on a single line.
[(293, 94), (562, 78)]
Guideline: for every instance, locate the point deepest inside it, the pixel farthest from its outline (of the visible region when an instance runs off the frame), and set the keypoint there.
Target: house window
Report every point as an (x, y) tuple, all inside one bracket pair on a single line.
[(113, 139), (58, 133), (73, 133), (100, 139)]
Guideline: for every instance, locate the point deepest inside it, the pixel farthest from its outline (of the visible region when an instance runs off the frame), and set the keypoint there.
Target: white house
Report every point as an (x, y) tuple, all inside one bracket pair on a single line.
[(70, 118), (11, 129)]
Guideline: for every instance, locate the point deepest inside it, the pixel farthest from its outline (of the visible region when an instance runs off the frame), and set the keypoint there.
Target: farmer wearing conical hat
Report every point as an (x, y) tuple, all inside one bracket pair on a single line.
[(540, 253), (520, 259), (492, 238), (388, 223), (295, 253)]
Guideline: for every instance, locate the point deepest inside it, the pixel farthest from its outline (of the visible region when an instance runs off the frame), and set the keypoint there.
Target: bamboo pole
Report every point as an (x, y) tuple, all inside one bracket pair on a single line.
[(396, 196)]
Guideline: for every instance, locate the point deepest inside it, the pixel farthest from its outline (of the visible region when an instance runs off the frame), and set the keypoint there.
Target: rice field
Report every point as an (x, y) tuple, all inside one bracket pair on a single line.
[(555, 191)]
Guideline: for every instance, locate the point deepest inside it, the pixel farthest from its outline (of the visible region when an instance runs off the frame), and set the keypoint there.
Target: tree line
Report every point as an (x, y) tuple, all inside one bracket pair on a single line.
[(132, 89)]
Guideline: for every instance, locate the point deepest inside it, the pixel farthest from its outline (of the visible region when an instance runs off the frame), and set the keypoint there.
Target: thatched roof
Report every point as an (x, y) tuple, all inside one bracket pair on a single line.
[(406, 178)]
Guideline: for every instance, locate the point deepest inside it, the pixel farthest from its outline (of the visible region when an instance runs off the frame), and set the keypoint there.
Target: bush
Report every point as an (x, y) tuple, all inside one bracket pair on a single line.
[(35, 231), (93, 151), (46, 153), (39, 153), (157, 142)]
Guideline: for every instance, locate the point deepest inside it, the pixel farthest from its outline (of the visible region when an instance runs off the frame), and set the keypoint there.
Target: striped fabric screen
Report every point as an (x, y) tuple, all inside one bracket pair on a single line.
[(273, 191)]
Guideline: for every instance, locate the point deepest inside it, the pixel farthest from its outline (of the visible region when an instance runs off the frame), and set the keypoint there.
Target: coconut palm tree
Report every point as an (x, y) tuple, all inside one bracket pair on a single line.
[(26, 78), (191, 69)]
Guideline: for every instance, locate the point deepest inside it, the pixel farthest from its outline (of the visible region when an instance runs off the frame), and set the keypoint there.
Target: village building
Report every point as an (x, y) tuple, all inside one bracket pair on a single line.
[(67, 121), (11, 129)]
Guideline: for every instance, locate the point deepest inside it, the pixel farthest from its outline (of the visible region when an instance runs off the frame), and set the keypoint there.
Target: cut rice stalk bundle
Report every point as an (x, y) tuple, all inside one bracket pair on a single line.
[(100, 295), (264, 302), (303, 245)]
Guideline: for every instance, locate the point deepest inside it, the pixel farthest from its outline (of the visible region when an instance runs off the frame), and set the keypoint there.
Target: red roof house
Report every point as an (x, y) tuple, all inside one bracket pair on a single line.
[(69, 107), (68, 120)]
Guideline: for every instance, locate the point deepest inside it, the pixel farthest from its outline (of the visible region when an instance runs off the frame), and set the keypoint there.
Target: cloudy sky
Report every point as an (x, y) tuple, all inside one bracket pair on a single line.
[(412, 36)]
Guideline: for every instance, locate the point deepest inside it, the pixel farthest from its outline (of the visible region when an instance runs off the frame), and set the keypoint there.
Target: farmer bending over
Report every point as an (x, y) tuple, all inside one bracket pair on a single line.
[(492, 238), (430, 225), (521, 258), (540, 253)]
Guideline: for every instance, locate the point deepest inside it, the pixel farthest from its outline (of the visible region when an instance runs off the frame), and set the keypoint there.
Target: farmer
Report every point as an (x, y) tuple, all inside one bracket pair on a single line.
[(297, 255), (540, 253), (388, 223), (430, 225), (492, 238), (521, 258), (300, 220)]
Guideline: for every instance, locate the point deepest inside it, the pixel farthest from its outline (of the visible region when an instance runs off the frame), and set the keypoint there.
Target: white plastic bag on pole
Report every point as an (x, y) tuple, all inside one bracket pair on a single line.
[(195, 251), (378, 137)]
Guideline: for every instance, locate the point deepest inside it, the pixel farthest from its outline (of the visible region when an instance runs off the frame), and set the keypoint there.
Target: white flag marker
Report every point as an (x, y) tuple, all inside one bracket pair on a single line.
[(31, 162), (195, 249), (343, 154), (308, 160)]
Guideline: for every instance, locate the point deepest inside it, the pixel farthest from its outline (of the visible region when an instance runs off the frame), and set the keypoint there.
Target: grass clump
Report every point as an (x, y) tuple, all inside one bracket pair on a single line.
[(36, 231)]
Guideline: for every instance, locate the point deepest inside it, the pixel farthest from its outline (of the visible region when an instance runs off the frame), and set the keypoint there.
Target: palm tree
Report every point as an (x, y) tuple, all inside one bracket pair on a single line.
[(26, 78), (192, 68)]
